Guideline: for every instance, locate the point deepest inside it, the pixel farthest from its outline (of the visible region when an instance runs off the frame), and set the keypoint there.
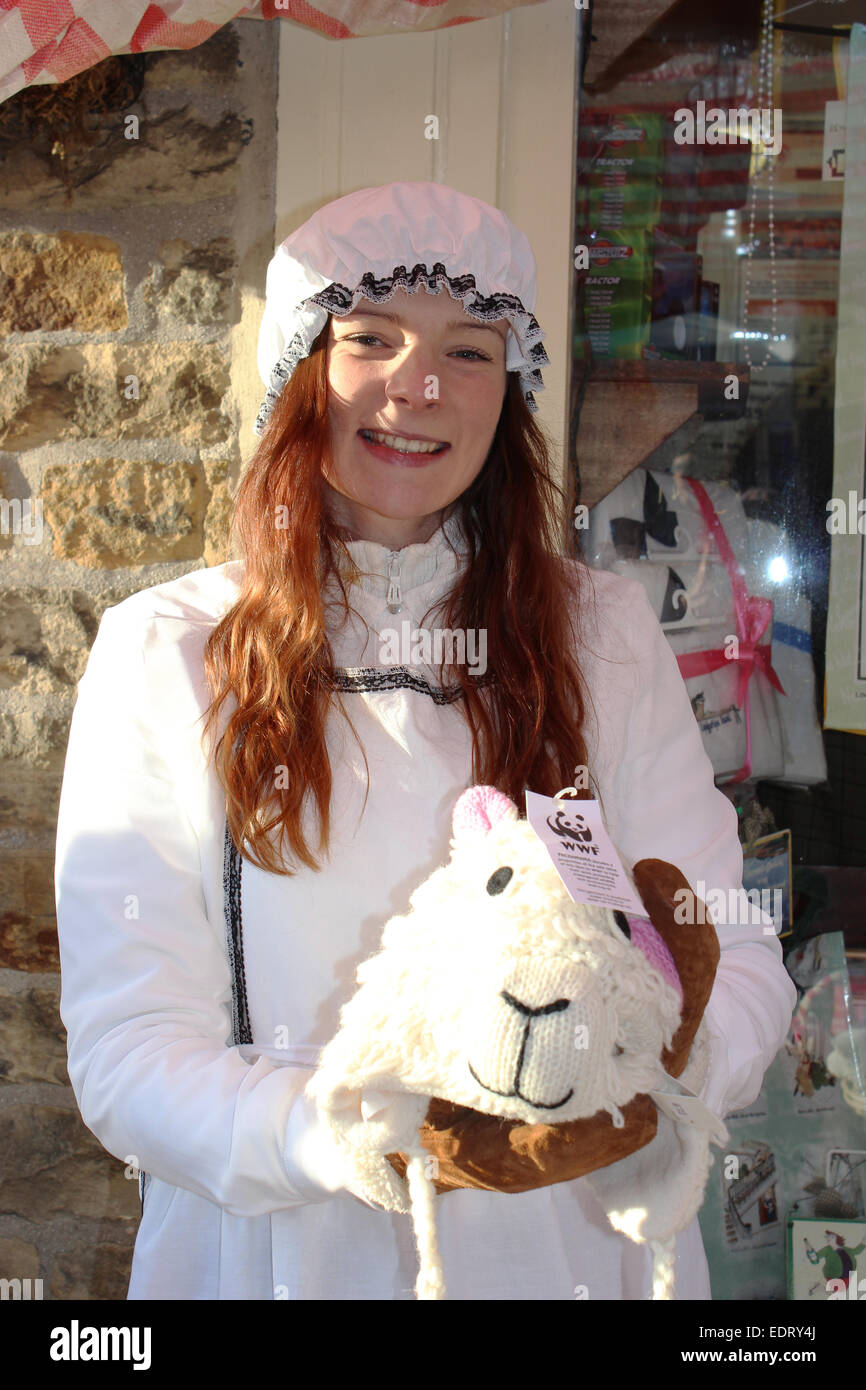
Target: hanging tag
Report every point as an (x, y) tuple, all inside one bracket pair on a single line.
[(583, 854), (682, 1105)]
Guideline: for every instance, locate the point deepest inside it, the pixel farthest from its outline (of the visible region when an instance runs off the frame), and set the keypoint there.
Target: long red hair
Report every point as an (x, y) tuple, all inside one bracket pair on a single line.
[(271, 649)]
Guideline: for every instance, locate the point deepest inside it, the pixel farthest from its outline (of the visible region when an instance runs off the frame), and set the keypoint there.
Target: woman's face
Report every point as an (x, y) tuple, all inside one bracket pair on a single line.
[(419, 368)]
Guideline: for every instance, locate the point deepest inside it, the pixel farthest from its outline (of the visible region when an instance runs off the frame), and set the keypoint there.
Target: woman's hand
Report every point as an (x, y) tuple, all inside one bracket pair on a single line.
[(476, 1150)]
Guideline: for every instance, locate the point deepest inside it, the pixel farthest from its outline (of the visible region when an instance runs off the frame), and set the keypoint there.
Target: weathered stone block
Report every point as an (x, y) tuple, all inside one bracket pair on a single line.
[(220, 508), (50, 1164), (34, 1039), (88, 1271), (72, 280), (109, 513), (28, 927), (18, 1259), (27, 941), (35, 737), (114, 390), (179, 157), (216, 61), (45, 639), (193, 284), (29, 796)]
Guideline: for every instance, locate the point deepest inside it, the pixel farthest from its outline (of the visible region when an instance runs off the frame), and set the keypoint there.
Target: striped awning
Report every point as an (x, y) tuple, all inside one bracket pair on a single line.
[(53, 40)]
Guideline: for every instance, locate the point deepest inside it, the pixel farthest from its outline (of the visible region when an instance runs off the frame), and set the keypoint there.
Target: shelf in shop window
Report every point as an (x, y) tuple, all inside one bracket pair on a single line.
[(630, 408), (664, 370), (615, 28)]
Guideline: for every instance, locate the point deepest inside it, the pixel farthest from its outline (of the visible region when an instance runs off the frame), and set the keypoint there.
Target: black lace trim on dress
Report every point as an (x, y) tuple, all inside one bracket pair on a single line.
[(357, 680), (232, 865)]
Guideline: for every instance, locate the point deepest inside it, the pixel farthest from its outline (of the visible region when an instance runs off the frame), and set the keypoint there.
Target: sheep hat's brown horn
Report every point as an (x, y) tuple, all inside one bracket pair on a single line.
[(693, 943)]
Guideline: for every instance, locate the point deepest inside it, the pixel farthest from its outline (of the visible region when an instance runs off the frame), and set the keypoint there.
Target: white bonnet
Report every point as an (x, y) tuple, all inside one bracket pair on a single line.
[(399, 236)]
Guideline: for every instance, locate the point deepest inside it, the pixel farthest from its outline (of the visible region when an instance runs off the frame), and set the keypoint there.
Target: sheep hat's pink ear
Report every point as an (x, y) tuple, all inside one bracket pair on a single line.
[(478, 810)]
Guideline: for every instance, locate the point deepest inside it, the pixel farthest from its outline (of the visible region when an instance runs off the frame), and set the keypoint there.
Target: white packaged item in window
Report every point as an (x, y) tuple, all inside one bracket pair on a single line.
[(721, 720), (772, 573), (684, 595), (656, 516)]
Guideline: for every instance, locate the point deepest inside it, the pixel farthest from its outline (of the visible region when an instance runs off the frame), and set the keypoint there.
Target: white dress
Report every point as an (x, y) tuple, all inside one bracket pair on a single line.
[(198, 989)]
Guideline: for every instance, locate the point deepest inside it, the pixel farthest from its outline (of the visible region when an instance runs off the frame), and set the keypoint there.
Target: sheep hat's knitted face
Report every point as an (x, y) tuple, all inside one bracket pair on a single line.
[(498, 992)]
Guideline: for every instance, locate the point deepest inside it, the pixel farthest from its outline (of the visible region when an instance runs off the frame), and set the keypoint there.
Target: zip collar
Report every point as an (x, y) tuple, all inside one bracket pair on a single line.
[(392, 574)]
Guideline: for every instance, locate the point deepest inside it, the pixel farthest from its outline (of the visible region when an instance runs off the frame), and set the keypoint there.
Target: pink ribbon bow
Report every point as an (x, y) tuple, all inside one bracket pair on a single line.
[(753, 616)]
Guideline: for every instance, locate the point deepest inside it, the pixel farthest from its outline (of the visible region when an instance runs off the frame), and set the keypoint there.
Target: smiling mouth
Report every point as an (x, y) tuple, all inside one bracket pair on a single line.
[(400, 444), (516, 1091)]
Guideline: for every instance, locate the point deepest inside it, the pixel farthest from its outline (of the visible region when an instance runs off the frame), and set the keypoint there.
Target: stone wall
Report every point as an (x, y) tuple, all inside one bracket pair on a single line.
[(131, 287)]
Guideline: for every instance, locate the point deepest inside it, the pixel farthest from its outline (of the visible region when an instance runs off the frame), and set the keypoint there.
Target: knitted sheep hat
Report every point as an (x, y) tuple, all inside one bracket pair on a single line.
[(497, 992), (399, 236)]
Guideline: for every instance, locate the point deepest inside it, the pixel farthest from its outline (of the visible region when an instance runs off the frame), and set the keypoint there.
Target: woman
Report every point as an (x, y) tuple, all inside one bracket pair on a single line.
[(257, 706)]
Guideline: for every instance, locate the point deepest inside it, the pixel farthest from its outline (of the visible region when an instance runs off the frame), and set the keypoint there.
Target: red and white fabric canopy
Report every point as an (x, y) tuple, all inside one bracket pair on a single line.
[(52, 40)]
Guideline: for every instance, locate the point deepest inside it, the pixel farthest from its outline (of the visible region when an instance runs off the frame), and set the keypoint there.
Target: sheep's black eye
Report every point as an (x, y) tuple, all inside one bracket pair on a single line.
[(499, 880), (622, 923)]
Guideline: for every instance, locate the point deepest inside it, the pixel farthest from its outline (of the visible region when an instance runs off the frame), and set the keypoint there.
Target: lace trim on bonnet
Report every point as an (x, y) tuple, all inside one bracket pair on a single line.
[(340, 300)]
